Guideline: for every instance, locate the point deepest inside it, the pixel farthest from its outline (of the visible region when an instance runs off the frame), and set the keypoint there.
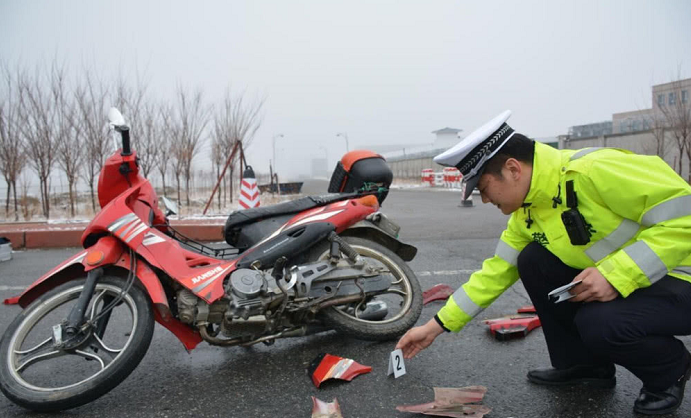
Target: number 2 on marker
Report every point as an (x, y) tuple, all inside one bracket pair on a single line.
[(396, 364)]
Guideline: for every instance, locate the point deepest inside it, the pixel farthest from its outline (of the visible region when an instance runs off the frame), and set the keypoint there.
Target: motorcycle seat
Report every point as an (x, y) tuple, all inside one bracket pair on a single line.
[(246, 216)]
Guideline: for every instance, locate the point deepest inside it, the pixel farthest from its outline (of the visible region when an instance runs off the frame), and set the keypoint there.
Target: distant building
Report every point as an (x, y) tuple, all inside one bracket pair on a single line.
[(446, 135), (663, 95), (633, 121), (591, 129), (668, 94), (445, 138), (552, 141), (642, 131)]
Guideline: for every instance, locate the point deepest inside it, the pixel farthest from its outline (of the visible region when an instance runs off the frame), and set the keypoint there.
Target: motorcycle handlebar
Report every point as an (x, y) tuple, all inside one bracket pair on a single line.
[(125, 132)]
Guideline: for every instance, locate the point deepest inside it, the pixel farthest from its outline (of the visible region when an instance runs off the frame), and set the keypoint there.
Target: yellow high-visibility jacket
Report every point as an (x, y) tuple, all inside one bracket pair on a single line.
[(638, 208)]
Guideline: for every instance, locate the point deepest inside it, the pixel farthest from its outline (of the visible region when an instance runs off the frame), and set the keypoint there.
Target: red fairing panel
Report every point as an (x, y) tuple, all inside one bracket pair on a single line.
[(198, 273), (187, 335), (327, 366)]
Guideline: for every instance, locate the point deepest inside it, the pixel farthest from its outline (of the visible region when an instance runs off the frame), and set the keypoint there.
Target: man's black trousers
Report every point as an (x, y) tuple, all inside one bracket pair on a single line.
[(636, 332)]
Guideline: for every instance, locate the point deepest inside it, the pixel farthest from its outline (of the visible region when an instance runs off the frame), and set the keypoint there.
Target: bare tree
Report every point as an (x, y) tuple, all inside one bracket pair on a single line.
[(91, 109), (217, 158), (677, 118), (235, 121), (131, 101), (659, 144), (71, 138), (12, 156), (28, 209), (175, 147), (150, 139), (192, 116), (165, 143), (41, 113)]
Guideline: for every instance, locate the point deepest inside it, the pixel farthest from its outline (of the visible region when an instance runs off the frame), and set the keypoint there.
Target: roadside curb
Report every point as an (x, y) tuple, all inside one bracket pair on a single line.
[(57, 235)]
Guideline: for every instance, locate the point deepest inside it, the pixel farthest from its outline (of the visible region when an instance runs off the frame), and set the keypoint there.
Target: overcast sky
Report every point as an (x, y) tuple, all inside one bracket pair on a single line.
[(385, 72)]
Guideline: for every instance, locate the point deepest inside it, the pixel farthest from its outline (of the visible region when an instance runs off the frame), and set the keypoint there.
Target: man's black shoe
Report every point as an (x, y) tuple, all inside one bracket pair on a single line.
[(665, 402), (597, 376)]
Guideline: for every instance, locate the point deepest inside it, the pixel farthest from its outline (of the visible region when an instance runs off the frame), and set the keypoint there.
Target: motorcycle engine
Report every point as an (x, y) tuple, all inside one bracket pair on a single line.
[(247, 283), (246, 289)]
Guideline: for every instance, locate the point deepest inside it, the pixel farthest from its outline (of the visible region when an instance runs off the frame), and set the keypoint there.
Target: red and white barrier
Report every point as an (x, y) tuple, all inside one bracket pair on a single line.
[(452, 177), (428, 177), (249, 193), (439, 179)]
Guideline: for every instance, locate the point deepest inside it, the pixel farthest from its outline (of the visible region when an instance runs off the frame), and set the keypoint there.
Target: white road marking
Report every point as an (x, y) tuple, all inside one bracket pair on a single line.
[(12, 287), (444, 272)]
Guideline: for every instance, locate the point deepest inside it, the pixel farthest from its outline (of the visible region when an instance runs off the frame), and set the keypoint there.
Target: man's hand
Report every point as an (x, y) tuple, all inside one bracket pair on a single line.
[(594, 287), (419, 338)]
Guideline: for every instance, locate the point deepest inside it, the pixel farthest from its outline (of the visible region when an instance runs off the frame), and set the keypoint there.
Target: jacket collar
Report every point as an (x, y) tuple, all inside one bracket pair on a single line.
[(544, 183)]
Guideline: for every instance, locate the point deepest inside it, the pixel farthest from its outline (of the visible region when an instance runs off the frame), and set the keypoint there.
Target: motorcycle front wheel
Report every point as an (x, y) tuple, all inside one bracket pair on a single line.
[(403, 298), (43, 370)]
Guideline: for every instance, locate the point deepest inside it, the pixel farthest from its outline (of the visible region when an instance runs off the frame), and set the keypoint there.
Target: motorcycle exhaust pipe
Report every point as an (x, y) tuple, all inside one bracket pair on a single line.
[(375, 310)]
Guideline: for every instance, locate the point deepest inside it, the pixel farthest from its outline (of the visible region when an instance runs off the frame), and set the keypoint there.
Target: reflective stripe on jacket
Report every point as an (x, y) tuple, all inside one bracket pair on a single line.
[(638, 210)]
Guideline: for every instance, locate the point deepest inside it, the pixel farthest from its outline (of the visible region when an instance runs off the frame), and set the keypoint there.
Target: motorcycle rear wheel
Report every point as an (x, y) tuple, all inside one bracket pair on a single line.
[(38, 375), (404, 283)]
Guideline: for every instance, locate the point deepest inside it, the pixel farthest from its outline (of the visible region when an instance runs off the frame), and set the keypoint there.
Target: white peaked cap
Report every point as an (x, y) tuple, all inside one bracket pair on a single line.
[(473, 151)]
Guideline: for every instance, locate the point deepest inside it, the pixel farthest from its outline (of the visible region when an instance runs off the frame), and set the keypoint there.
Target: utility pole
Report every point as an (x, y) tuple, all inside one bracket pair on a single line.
[(274, 149), (344, 135)]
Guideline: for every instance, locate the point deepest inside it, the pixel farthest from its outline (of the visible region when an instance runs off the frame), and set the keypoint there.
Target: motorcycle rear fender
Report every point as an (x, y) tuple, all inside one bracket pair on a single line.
[(114, 256), (368, 229)]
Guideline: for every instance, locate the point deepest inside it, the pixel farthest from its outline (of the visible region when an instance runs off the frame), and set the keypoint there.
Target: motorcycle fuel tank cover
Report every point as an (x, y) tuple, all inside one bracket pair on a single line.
[(327, 366)]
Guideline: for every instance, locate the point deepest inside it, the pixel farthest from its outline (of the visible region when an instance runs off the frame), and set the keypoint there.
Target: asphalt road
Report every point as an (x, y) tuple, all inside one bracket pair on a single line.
[(272, 381)]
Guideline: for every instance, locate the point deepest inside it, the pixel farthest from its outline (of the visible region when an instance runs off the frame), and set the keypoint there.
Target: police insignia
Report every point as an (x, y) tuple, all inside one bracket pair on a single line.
[(540, 238)]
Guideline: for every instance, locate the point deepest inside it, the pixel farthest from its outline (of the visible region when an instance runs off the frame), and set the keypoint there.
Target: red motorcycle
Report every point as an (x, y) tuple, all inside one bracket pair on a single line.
[(293, 269)]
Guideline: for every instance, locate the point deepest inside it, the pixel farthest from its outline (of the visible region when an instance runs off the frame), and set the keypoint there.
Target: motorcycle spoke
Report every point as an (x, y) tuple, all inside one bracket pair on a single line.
[(91, 356), (397, 291), (399, 281), (37, 347), (94, 304), (45, 355), (97, 345)]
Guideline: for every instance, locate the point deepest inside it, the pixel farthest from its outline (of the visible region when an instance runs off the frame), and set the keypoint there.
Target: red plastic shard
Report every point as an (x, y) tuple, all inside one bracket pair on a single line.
[(11, 301), (515, 326), (436, 292), (453, 402), (321, 409), (326, 367), (527, 309)]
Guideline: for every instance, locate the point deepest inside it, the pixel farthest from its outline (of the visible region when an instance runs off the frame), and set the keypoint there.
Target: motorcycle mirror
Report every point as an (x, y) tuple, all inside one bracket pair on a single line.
[(171, 207), (115, 118)]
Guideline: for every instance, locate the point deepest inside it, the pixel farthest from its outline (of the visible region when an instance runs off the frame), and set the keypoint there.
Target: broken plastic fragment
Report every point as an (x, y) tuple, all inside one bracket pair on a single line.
[(11, 301), (326, 367), (453, 402), (527, 309), (321, 409), (514, 326), (436, 292)]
